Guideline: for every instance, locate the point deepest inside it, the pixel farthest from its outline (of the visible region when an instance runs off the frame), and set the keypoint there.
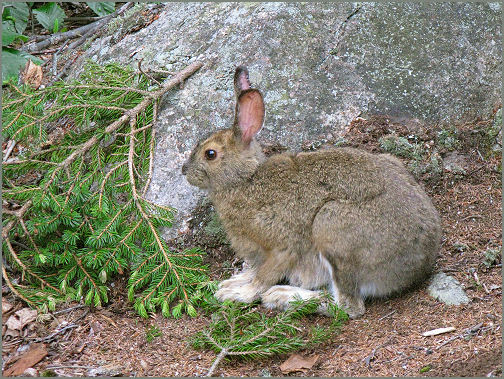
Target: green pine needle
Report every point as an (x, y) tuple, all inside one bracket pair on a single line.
[(87, 219), (241, 330)]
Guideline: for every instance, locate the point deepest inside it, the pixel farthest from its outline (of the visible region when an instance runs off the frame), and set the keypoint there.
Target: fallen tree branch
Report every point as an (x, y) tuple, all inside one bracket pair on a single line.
[(221, 355), (75, 33), (10, 147), (19, 213), (128, 116), (13, 289)]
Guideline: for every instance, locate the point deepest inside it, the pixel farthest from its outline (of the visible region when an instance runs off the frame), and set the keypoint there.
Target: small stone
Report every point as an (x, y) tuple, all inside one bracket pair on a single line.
[(30, 372), (265, 373), (455, 162), (447, 290), (105, 371)]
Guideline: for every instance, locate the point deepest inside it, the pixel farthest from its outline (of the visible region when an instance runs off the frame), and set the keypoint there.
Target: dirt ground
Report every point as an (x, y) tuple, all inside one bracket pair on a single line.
[(386, 341)]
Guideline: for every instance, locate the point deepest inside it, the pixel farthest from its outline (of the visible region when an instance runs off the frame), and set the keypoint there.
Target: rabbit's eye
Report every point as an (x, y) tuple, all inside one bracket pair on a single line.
[(210, 154)]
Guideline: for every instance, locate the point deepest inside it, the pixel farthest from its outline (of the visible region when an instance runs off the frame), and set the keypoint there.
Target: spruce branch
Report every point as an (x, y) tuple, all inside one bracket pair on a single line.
[(84, 215), (240, 330), (13, 289), (26, 268)]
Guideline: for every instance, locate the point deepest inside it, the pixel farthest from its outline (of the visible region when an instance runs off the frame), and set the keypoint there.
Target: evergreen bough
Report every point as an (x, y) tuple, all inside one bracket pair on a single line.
[(74, 207), (241, 330)]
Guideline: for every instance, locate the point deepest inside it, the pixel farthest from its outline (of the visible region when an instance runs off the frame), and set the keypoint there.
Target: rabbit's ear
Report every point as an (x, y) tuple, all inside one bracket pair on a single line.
[(241, 80), (249, 115)]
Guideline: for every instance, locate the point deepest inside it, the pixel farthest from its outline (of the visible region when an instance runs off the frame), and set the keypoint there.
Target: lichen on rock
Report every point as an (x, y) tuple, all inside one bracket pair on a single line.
[(319, 65)]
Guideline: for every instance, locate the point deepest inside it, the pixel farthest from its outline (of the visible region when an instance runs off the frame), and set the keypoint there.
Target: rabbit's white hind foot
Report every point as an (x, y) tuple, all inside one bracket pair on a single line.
[(280, 297), (353, 306)]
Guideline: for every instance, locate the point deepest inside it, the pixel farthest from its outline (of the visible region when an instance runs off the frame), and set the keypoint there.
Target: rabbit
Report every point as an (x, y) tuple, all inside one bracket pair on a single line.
[(345, 220)]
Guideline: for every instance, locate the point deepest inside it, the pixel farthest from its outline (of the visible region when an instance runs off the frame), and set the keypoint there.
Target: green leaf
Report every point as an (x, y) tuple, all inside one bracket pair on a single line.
[(97, 300), (63, 286), (101, 8), (131, 293), (18, 12), (56, 26), (51, 303), (12, 61), (50, 15), (9, 34)]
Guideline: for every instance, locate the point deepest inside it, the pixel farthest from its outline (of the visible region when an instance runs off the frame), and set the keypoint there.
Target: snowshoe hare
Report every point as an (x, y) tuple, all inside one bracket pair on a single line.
[(352, 222)]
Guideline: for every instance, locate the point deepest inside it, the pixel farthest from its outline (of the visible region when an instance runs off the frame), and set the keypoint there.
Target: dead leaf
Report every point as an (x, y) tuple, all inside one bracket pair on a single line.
[(112, 322), (297, 362), (6, 306), (32, 75), (18, 320), (34, 355)]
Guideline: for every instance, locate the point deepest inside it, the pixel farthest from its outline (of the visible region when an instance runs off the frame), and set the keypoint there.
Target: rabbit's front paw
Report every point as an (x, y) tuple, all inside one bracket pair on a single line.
[(238, 280), (246, 293)]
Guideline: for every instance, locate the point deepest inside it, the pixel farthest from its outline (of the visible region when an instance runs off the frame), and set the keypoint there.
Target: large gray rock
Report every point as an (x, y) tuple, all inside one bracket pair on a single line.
[(447, 289), (319, 65)]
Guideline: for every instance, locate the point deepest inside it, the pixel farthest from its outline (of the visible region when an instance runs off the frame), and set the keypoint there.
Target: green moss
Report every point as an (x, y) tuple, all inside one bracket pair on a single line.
[(214, 229), (448, 139), (401, 147), (48, 373), (425, 369), (492, 256)]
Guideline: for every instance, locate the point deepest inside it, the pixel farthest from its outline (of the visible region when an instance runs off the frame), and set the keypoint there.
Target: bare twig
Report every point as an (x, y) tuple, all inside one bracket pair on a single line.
[(75, 33), (471, 216), (221, 355), (59, 37), (387, 315), (69, 309), (151, 153), (10, 146), (51, 336), (13, 289), (55, 59), (19, 213), (146, 74), (69, 366), (84, 37), (371, 356), (62, 72), (84, 314), (472, 330)]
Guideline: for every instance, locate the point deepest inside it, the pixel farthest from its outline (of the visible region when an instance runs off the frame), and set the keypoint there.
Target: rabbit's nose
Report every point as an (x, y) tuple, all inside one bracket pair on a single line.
[(184, 169)]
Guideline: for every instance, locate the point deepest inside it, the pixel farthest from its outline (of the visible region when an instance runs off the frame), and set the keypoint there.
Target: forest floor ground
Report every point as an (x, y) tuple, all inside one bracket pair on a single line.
[(386, 341)]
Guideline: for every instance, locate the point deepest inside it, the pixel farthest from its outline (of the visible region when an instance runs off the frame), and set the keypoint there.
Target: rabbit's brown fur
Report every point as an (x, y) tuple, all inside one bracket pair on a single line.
[(355, 222)]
